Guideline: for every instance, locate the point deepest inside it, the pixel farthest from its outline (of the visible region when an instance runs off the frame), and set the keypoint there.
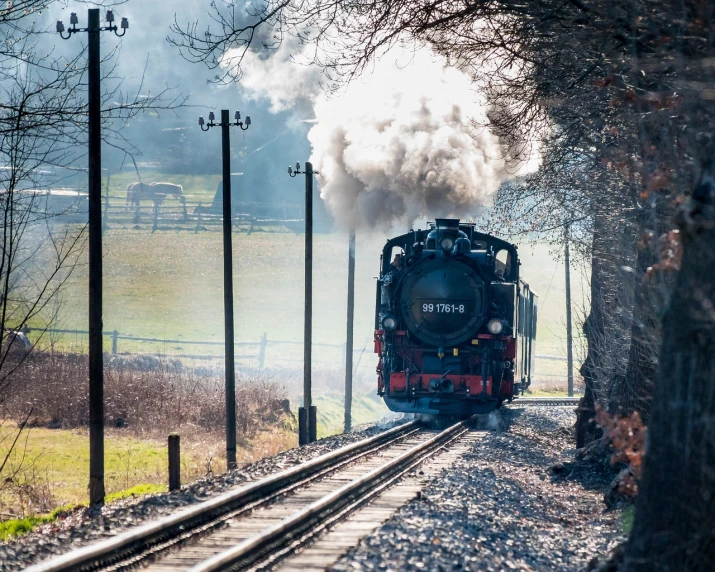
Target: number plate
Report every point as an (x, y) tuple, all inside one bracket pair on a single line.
[(443, 308)]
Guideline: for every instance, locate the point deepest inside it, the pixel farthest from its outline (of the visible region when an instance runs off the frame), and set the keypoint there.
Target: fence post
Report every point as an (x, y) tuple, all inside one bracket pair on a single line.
[(303, 435), (198, 218), (156, 216), (183, 204), (115, 336), (262, 351), (174, 462), (313, 423)]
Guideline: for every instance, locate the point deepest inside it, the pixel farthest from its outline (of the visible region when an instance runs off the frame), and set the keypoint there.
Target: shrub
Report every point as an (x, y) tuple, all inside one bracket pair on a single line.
[(151, 401)]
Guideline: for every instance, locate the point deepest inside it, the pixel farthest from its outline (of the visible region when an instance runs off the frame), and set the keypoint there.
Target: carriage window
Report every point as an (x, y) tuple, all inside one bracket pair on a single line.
[(502, 264)]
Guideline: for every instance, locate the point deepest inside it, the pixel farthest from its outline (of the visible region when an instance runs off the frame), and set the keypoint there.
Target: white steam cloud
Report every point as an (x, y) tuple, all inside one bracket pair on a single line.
[(405, 142), (276, 76)]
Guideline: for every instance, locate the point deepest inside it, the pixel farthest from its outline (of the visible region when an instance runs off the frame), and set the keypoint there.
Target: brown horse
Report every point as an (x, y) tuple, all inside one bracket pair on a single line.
[(156, 192)]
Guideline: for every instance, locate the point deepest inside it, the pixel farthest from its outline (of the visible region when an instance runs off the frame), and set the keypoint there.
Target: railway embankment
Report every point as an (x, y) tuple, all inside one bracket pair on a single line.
[(509, 497), (517, 500)]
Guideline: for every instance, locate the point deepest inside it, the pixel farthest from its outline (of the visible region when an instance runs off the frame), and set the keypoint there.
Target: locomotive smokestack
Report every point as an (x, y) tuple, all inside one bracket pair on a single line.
[(447, 223)]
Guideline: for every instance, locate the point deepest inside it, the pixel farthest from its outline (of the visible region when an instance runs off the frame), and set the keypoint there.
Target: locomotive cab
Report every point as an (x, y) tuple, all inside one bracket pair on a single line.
[(447, 321)]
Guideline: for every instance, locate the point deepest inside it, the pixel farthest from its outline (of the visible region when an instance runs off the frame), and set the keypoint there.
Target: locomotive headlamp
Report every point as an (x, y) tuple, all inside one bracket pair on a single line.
[(446, 243), (495, 326), (389, 323)]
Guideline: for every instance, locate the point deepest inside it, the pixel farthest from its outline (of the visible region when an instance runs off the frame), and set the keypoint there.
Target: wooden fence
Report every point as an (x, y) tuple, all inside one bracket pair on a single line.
[(172, 214), (256, 352), (198, 217)]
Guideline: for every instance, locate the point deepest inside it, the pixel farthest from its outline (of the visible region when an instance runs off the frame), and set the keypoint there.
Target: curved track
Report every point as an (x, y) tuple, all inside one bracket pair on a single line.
[(243, 528)]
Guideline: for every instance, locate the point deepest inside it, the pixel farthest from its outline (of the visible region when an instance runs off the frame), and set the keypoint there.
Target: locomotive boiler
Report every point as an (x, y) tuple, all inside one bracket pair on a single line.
[(454, 323)]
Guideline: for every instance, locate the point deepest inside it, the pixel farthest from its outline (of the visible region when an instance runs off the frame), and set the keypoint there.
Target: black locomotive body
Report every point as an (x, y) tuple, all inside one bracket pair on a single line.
[(454, 324)]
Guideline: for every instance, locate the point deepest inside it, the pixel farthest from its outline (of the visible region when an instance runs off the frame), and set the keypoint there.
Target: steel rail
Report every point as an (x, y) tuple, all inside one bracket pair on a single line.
[(136, 543), (297, 528), (546, 401)]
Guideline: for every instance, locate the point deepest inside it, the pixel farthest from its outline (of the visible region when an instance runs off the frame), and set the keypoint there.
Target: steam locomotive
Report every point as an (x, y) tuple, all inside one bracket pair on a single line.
[(454, 323)]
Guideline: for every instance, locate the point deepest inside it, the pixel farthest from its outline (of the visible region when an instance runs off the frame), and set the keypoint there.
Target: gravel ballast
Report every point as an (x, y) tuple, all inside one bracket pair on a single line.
[(516, 501)]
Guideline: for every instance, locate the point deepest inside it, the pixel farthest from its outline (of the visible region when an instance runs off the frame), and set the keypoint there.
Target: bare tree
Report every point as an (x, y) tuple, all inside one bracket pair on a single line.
[(43, 134)]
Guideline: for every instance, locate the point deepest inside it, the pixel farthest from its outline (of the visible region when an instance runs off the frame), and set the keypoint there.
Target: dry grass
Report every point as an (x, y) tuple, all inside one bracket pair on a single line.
[(49, 466), (148, 403)]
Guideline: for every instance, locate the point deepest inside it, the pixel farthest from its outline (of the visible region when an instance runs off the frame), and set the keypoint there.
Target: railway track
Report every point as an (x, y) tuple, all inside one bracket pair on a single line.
[(256, 525), (547, 401)]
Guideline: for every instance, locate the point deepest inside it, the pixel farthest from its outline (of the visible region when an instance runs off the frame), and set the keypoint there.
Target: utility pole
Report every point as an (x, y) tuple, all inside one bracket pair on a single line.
[(230, 364), (569, 332), (349, 338), (96, 365), (307, 415), (229, 343)]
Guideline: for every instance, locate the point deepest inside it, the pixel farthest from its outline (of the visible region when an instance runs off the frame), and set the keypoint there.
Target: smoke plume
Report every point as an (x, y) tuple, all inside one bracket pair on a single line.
[(404, 142)]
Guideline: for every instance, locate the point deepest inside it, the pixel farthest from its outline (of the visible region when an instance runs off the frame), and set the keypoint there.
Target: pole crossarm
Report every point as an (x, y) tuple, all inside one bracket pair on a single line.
[(243, 125), (60, 27)]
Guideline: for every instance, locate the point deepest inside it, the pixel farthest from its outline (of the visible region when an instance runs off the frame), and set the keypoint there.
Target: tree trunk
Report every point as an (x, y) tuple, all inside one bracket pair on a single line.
[(674, 527), (632, 391), (603, 328)]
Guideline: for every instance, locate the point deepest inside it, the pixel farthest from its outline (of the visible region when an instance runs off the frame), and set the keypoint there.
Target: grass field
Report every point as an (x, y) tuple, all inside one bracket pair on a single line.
[(169, 285), (52, 467)]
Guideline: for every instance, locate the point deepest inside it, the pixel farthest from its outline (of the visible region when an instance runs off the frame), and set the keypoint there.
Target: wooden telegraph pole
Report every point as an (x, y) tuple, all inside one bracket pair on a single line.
[(94, 127), (230, 363), (349, 338), (96, 365), (308, 321), (307, 415)]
